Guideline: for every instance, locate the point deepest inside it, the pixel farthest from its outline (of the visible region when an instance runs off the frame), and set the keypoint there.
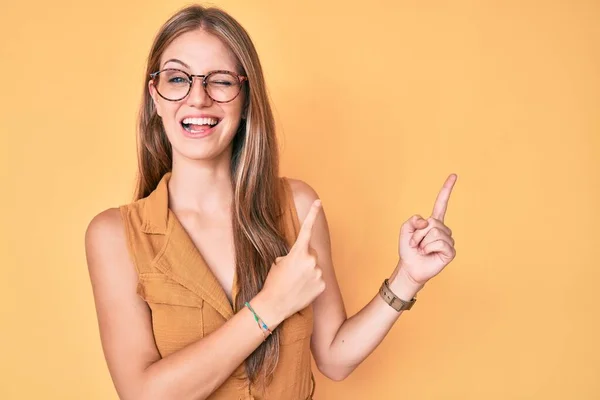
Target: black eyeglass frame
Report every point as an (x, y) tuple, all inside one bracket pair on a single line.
[(241, 79)]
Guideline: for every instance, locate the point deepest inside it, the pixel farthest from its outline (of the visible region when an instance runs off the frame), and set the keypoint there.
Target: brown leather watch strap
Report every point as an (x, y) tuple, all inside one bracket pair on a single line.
[(394, 301)]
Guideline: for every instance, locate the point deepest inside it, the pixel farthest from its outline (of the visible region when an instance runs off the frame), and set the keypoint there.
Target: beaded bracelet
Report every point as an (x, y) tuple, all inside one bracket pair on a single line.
[(261, 324)]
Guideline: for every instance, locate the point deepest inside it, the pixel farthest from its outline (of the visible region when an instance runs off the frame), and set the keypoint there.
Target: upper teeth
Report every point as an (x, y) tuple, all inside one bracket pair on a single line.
[(200, 121)]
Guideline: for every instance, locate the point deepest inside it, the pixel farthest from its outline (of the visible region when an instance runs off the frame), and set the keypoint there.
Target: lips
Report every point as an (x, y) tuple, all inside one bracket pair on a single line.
[(197, 128), (194, 131), (199, 124)]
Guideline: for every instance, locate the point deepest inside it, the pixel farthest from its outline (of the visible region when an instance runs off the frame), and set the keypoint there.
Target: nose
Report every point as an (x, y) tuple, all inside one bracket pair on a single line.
[(198, 96)]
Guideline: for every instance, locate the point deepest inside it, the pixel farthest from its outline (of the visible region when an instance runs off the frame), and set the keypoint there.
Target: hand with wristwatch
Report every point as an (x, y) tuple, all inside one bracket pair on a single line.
[(425, 247)]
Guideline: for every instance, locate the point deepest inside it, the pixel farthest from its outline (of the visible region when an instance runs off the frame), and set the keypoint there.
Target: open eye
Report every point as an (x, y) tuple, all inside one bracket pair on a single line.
[(174, 77), (178, 79)]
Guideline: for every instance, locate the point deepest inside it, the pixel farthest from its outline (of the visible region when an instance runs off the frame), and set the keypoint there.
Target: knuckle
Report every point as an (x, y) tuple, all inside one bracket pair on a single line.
[(319, 272), (433, 221), (412, 220), (322, 286)]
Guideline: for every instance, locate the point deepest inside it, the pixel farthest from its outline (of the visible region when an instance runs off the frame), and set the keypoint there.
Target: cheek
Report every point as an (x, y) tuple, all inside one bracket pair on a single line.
[(167, 115), (167, 109), (235, 107), (234, 116), (228, 129)]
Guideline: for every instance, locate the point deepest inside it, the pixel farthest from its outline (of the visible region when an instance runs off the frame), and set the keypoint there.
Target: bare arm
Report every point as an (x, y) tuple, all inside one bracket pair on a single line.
[(339, 344), (137, 370)]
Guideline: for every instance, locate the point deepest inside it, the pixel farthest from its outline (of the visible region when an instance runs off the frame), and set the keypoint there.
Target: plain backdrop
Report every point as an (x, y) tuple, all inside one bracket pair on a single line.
[(376, 103)]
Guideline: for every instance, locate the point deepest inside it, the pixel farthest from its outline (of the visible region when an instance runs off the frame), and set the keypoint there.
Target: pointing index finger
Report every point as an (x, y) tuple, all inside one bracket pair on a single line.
[(441, 203), (306, 230)]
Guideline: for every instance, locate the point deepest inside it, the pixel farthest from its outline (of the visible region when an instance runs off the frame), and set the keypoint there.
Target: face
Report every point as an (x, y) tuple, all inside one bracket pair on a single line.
[(198, 52)]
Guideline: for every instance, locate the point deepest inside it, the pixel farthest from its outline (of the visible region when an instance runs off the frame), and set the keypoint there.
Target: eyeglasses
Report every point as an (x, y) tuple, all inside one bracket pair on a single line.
[(174, 84)]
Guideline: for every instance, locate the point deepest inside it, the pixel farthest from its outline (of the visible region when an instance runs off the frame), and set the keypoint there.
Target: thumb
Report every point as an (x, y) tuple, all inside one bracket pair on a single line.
[(303, 240), (408, 229)]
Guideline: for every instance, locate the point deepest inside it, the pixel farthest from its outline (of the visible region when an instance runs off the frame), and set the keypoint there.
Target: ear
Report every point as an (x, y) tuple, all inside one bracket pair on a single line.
[(155, 96)]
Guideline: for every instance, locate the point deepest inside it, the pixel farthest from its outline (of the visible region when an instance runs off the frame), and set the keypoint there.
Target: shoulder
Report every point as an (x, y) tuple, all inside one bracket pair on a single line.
[(105, 237), (304, 195), (109, 262), (106, 224), (115, 222)]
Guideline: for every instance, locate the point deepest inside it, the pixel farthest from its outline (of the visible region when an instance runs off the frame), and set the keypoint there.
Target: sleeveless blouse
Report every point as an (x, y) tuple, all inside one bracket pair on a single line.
[(187, 302)]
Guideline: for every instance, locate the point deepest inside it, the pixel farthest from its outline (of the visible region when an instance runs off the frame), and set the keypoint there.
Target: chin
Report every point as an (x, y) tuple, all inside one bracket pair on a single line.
[(208, 144), (202, 152)]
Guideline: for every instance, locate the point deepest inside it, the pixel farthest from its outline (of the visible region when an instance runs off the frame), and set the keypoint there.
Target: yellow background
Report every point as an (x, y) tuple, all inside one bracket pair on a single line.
[(376, 103)]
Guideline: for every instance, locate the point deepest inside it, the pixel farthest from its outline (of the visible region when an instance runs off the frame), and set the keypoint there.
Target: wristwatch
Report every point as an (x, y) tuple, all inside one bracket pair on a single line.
[(395, 302)]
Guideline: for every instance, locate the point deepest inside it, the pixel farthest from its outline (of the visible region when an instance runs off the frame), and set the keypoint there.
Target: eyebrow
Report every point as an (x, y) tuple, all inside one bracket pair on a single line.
[(177, 61)]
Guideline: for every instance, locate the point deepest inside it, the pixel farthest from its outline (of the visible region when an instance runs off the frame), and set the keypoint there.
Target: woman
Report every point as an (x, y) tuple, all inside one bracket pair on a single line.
[(217, 281)]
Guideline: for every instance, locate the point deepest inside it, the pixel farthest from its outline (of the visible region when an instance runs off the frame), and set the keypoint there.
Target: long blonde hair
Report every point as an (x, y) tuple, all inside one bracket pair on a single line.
[(257, 230)]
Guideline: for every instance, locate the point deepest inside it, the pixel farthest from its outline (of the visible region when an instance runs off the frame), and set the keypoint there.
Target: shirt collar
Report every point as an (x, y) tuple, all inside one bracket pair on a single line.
[(156, 208)]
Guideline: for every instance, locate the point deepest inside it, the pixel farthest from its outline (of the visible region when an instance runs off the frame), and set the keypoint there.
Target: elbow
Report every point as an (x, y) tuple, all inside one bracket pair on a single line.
[(335, 372), (337, 378), (156, 388)]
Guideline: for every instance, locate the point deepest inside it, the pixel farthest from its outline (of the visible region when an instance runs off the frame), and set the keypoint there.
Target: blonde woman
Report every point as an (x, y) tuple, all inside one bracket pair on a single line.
[(217, 282)]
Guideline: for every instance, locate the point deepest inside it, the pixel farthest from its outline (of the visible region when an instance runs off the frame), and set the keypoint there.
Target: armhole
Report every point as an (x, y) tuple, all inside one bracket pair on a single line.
[(128, 238)]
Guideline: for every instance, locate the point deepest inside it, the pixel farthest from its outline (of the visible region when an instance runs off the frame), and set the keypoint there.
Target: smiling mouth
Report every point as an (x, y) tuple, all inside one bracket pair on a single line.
[(197, 125)]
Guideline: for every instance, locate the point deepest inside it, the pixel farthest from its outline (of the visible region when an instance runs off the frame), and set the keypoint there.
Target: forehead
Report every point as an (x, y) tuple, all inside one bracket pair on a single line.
[(200, 50)]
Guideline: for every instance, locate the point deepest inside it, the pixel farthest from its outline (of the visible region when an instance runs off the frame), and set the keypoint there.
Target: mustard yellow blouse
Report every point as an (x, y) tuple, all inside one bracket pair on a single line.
[(187, 301)]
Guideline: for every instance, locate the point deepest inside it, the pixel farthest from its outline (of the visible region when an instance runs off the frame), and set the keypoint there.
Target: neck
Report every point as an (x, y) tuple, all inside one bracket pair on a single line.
[(202, 187)]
